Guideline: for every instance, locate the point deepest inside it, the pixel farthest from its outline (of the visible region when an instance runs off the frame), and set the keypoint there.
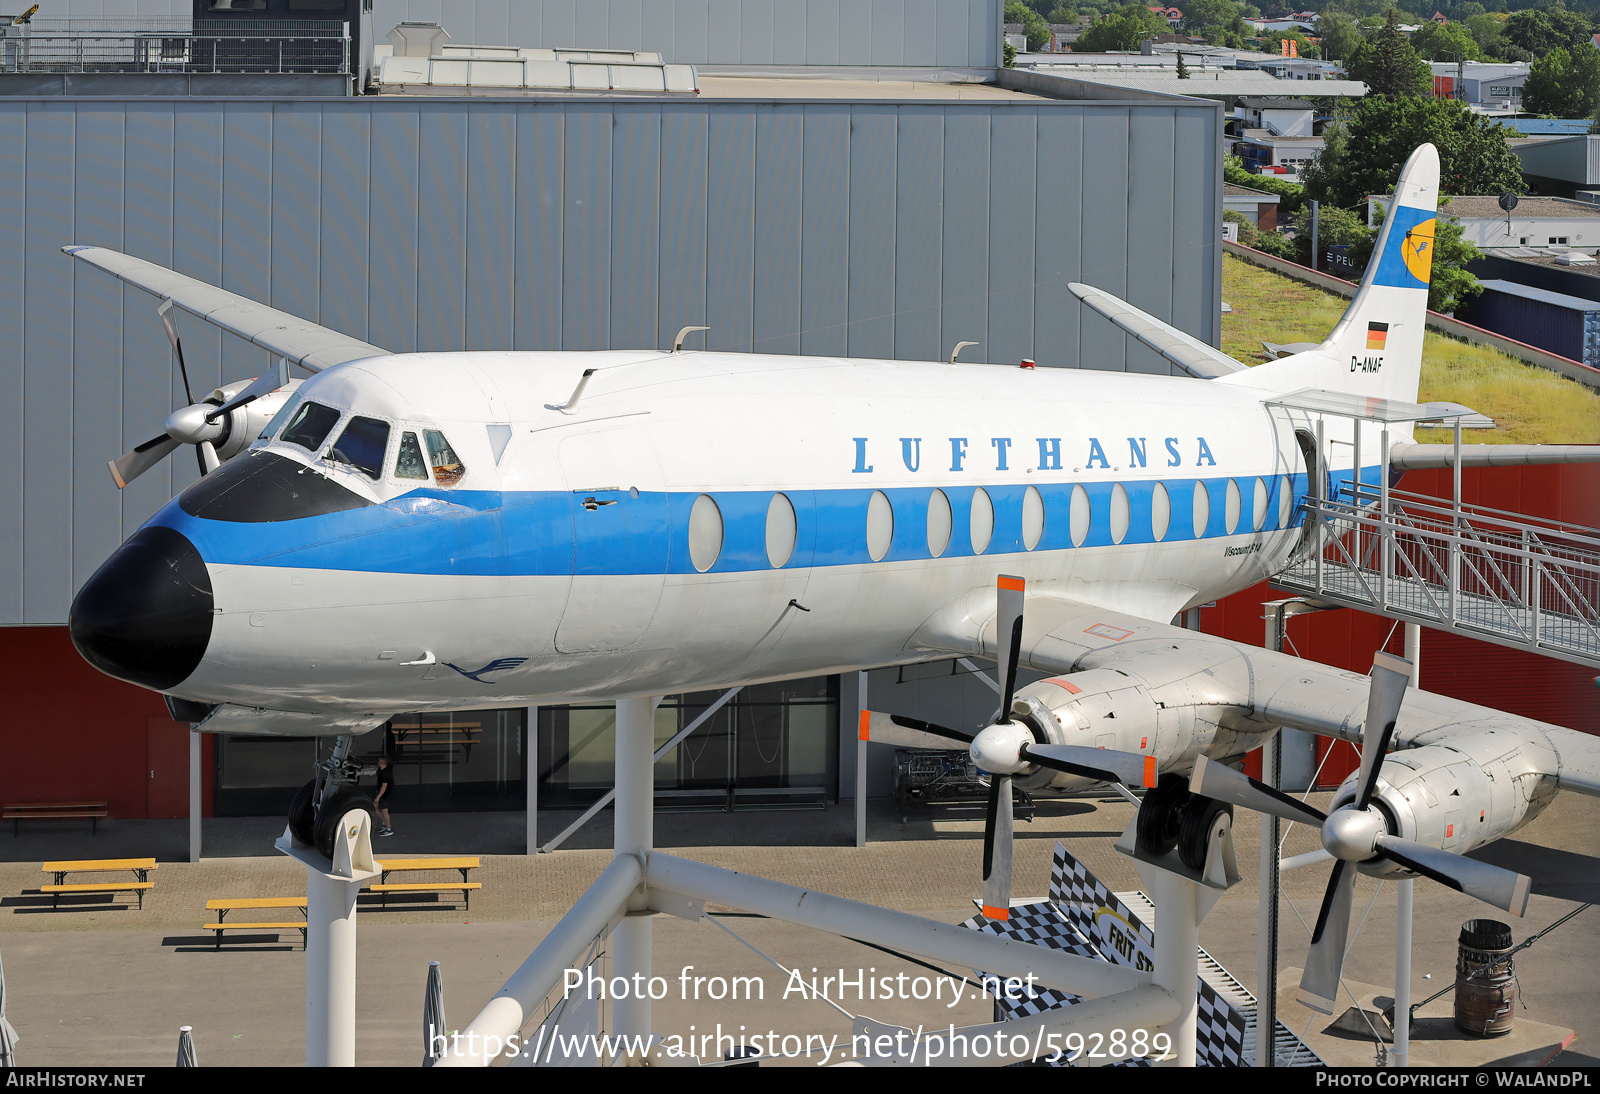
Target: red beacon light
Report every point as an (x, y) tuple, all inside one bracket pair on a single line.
[(1027, 362)]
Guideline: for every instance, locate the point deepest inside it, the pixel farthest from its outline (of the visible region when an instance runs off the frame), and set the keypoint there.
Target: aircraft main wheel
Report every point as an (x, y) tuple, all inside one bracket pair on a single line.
[(1160, 814), (329, 816), (1199, 817), (303, 813)]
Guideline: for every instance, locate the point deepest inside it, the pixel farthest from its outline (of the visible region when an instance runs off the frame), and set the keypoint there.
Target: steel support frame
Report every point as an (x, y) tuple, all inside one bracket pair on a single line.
[(657, 881)]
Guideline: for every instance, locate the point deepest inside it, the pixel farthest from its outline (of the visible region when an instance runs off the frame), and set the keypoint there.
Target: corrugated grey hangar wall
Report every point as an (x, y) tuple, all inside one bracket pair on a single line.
[(861, 229), (917, 33)]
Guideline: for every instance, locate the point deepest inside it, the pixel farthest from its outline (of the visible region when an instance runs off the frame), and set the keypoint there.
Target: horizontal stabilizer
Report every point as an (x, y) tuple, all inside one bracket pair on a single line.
[(302, 342), (1422, 457), (1187, 352)]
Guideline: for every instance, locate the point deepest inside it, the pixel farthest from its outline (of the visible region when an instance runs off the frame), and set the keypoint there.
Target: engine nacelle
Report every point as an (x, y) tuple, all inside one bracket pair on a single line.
[(243, 425), (1173, 720), (1458, 796)]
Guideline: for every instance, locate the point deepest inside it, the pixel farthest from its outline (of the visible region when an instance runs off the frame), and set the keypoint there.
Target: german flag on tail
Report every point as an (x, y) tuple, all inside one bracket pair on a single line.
[(1377, 335)]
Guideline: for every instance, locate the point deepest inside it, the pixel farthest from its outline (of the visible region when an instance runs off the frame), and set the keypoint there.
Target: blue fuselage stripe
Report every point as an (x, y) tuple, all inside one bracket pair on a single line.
[(487, 533)]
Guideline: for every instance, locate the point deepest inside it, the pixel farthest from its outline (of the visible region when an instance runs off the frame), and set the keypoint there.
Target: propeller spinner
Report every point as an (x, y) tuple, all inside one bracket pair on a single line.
[(1007, 748), (1358, 833)]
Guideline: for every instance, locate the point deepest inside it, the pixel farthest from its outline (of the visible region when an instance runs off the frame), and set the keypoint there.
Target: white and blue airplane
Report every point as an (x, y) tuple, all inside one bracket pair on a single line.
[(430, 531)]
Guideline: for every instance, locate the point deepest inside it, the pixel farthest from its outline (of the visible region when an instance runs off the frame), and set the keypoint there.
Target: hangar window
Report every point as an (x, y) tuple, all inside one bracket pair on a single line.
[(447, 466), (310, 426), (362, 445), (408, 464)]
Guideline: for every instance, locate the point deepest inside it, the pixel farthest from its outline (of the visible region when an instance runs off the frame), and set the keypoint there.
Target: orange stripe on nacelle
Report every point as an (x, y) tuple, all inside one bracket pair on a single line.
[(1150, 771), (1015, 584), (866, 720), (996, 913)]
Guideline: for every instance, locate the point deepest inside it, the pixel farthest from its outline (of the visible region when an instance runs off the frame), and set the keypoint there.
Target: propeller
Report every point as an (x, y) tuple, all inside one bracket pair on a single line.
[(205, 424), (1359, 832), (1007, 748)]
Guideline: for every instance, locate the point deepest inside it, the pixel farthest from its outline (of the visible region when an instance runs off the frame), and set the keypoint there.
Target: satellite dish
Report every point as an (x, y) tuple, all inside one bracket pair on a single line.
[(1508, 202)]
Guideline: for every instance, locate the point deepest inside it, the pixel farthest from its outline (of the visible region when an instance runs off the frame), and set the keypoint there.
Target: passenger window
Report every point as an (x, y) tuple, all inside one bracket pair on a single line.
[(409, 465), (280, 417), (447, 467), (310, 426), (362, 445)]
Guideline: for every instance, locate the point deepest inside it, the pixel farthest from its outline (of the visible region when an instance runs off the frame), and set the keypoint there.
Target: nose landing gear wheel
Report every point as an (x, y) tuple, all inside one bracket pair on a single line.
[(333, 811), (303, 814)]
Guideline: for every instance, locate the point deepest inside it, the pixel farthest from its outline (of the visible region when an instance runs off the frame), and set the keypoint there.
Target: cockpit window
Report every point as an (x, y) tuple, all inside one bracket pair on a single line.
[(409, 465), (280, 417), (447, 466), (310, 426), (362, 445)]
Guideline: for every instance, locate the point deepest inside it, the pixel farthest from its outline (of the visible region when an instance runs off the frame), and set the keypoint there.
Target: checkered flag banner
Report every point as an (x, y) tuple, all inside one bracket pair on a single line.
[(1041, 925), (1081, 895), (1219, 1031)]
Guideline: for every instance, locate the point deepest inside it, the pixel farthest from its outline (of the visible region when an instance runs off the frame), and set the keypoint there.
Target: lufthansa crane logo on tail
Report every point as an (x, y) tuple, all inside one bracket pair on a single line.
[(1417, 249)]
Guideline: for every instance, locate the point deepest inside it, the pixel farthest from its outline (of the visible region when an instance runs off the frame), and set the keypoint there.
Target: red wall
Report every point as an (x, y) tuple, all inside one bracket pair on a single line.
[(72, 732), (1463, 668)]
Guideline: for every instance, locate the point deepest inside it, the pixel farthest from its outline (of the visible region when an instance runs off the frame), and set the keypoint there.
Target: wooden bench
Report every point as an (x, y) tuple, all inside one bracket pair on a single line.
[(465, 887), (17, 812), (223, 906), (141, 868)]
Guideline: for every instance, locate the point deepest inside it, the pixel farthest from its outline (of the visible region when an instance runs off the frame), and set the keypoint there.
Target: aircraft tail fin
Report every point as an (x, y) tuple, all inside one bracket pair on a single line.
[(1376, 349)]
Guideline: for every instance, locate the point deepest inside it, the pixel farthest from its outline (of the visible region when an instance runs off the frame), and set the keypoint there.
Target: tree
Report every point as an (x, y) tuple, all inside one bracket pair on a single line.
[(1124, 29), (1564, 85), (1489, 32), (1445, 41), (1183, 69), (1540, 30), (1363, 153), (1033, 24), (1219, 22), (1336, 227), (1391, 66), (1339, 35)]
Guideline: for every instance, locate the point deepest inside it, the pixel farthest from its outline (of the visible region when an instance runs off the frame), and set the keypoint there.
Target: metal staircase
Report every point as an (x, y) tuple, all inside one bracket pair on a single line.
[(1502, 577)]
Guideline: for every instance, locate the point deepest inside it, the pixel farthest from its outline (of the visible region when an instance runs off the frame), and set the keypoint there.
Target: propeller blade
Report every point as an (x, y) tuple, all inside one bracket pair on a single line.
[(896, 729), (208, 457), (269, 381), (1008, 638), (1390, 675), (1491, 884), (1223, 783), (1319, 984), (177, 345), (997, 850), (1102, 764), (130, 465)]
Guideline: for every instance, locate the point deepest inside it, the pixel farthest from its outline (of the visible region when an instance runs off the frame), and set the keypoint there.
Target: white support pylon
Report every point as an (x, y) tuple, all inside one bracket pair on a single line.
[(634, 834), (331, 891), (1400, 1051)]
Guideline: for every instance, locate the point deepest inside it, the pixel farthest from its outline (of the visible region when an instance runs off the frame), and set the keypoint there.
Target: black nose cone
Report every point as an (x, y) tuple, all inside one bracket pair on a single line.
[(145, 616)]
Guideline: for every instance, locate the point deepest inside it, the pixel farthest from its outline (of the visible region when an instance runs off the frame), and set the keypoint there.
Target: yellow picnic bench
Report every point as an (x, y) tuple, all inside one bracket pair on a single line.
[(413, 865), (17, 812), (229, 904), (141, 868)]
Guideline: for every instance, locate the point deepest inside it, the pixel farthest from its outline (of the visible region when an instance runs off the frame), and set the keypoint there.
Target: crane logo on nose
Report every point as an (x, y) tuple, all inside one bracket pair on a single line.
[(497, 665)]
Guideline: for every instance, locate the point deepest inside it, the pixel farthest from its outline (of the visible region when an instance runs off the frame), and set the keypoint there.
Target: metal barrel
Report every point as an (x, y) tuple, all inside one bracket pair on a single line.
[(1486, 979)]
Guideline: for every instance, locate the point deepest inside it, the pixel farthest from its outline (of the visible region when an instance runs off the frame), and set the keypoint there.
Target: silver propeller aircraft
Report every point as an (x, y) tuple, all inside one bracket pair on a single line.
[(427, 531)]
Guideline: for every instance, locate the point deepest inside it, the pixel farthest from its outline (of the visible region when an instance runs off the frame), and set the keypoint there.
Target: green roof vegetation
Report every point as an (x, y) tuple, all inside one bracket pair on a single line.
[(1529, 405)]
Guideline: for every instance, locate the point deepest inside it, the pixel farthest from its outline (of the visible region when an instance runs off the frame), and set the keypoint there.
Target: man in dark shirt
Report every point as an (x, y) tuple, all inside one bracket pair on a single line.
[(385, 794)]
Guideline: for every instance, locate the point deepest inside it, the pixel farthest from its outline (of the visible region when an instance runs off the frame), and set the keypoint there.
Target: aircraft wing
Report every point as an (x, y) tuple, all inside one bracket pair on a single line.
[(1187, 352), (1257, 688), (303, 343)]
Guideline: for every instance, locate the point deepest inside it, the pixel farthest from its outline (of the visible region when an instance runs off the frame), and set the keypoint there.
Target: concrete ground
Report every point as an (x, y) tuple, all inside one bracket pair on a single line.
[(102, 982)]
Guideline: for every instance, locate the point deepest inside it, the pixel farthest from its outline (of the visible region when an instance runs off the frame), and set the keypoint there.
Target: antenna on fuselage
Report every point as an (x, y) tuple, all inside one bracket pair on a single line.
[(677, 343), (959, 347), (572, 400)]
